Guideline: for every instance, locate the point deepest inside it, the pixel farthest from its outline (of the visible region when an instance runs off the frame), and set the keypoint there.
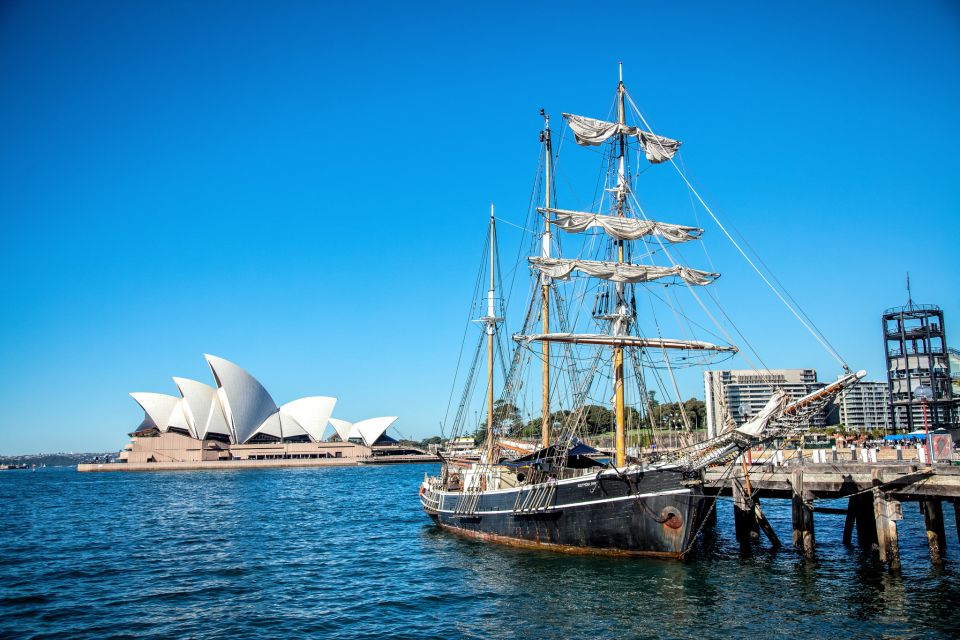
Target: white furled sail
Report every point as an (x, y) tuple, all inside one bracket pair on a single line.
[(592, 132), (624, 341), (560, 269), (773, 409), (621, 228)]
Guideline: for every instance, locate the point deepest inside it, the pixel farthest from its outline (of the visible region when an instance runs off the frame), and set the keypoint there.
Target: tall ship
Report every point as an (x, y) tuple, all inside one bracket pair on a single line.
[(590, 354)]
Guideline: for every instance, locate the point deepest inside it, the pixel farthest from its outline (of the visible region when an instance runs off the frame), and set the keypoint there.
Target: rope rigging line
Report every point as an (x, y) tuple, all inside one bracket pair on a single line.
[(468, 389), (696, 297), (813, 332), (466, 330)]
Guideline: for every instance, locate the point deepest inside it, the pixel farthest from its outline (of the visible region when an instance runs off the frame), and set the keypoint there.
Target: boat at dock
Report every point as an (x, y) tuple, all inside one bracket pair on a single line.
[(563, 495)]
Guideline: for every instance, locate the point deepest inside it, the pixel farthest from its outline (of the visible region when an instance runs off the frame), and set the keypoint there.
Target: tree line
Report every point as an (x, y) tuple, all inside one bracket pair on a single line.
[(597, 419)]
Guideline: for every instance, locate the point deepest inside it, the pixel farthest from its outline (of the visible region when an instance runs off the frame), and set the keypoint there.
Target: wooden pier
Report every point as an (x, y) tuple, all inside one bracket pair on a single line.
[(874, 493)]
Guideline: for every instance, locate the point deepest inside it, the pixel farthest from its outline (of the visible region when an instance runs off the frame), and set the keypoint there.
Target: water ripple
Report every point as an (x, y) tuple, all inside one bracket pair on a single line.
[(347, 553)]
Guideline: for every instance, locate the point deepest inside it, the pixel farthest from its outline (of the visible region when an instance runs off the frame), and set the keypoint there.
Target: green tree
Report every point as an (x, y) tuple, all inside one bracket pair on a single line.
[(506, 419)]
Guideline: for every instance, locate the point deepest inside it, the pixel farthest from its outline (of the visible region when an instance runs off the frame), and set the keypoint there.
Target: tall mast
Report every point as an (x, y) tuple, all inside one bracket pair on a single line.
[(620, 321), (545, 291), (491, 326)]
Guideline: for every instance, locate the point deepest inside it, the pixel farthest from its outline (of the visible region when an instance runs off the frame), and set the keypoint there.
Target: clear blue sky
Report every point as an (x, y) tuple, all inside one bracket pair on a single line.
[(302, 188)]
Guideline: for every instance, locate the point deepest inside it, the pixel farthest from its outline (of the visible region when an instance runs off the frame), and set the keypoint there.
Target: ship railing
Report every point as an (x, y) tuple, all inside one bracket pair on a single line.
[(431, 498), (470, 496), (467, 502), (535, 499)]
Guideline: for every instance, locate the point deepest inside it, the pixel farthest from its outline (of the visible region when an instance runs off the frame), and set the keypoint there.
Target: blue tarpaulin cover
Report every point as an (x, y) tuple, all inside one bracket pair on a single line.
[(901, 437), (577, 448)]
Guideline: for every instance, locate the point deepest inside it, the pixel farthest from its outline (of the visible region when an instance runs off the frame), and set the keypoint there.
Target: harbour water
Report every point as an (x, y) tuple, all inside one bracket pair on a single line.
[(347, 553)]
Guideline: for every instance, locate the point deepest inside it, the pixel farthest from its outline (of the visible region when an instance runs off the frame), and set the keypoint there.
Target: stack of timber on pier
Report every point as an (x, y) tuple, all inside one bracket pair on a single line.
[(874, 493)]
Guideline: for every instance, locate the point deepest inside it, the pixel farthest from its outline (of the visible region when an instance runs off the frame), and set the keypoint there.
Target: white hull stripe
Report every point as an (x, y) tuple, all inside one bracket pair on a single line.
[(572, 504), (604, 475)]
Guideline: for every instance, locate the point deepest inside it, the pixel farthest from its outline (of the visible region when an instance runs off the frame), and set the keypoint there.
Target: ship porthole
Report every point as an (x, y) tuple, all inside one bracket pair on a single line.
[(521, 477)]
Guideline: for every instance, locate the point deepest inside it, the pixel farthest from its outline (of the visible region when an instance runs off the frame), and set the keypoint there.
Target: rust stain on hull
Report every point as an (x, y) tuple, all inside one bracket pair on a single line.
[(559, 548)]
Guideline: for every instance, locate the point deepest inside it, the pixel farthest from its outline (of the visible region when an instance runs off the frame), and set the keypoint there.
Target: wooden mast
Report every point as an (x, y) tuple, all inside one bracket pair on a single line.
[(621, 433), (545, 293), (491, 324)]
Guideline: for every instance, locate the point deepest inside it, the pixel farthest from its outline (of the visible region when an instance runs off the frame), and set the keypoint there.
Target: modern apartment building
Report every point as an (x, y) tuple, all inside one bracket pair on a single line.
[(865, 406), (741, 394)]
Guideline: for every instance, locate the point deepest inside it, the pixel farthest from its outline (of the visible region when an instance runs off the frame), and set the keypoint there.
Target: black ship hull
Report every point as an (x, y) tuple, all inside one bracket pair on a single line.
[(636, 513)]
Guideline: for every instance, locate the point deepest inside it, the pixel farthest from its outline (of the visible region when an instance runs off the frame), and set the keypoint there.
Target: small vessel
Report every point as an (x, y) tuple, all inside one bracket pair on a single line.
[(558, 492)]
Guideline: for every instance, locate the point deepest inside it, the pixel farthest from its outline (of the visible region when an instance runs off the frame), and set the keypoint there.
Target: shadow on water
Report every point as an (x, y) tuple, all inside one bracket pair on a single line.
[(348, 553)]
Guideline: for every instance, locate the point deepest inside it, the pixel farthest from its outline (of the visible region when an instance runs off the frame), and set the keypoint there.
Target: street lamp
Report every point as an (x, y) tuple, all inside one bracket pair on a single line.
[(925, 393)]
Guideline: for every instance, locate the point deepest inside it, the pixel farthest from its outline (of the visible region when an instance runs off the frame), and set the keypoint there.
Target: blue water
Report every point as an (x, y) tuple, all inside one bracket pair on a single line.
[(347, 553)]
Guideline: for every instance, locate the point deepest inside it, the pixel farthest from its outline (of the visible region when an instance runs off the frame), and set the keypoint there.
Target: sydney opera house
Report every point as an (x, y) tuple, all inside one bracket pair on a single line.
[(239, 420)]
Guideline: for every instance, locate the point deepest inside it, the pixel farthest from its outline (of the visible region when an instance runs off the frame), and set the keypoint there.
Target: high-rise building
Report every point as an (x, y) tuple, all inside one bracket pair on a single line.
[(865, 405), (953, 362), (741, 394), (918, 369)]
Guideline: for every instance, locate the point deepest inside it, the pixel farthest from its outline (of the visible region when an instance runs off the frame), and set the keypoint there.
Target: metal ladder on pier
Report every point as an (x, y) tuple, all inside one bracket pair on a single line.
[(537, 499)]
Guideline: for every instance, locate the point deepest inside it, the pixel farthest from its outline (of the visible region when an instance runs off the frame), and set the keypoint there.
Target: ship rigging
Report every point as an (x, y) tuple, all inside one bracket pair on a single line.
[(560, 493)]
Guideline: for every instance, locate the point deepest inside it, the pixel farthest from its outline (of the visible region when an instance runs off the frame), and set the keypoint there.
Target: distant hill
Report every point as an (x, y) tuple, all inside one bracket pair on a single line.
[(55, 459)]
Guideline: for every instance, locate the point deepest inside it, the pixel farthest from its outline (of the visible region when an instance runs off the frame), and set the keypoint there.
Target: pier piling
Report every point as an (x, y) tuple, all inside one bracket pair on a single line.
[(932, 510), (956, 515), (849, 521), (765, 525), (744, 518), (875, 492), (862, 507), (886, 511), (803, 534)]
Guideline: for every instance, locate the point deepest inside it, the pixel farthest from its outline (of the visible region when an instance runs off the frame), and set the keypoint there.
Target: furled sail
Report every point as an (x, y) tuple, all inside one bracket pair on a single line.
[(592, 132), (560, 269), (621, 228), (774, 408), (623, 341)]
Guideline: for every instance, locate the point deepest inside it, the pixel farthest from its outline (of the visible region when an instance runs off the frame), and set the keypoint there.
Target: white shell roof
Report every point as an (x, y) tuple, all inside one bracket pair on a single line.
[(270, 427), (342, 427), (246, 404), (309, 414), (157, 406), (178, 420), (239, 407), (201, 408), (368, 430)]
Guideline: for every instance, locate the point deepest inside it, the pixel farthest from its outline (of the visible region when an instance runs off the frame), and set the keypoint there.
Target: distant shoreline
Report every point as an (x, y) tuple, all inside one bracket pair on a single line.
[(56, 459), (214, 465)]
